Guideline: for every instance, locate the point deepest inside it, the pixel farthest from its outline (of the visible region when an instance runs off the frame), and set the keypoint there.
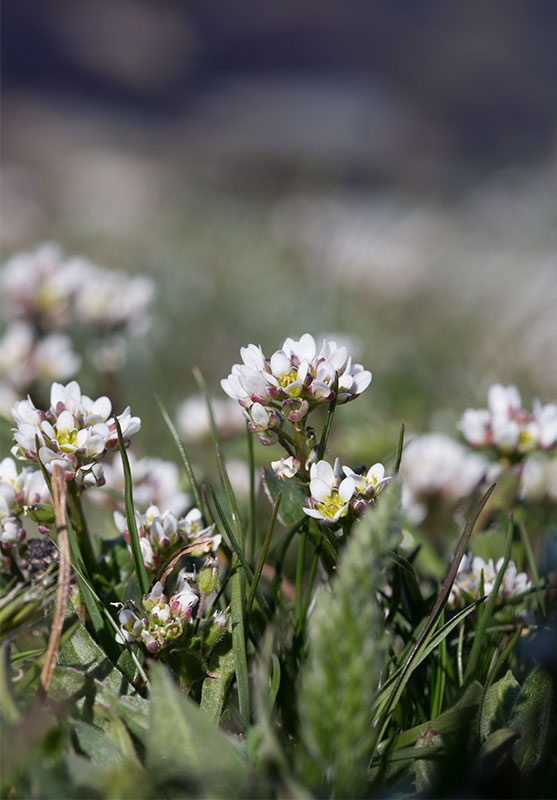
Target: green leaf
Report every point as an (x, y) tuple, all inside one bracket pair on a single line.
[(96, 744), (293, 496), (215, 686), (84, 654), (498, 705), (531, 717), (348, 649), (446, 722), (9, 709), (184, 748)]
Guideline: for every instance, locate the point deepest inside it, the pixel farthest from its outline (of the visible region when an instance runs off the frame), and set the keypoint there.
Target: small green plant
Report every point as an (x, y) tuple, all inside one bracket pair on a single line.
[(333, 636)]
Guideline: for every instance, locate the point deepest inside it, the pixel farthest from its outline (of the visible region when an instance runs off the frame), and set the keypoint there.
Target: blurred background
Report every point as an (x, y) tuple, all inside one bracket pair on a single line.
[(382, 172)]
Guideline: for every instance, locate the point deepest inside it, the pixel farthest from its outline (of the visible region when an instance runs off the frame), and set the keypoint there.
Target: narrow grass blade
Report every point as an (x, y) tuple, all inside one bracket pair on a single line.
[(183, 455), (399, 449), (428, 631), (432, 643), (532, 564), (238, 553), (236, 519), (138, 562), (263, 556), (479, 639)]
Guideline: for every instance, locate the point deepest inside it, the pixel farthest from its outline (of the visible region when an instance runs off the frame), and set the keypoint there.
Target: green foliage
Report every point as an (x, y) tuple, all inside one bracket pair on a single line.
[(293, 496), (184, 750), (347, 651)]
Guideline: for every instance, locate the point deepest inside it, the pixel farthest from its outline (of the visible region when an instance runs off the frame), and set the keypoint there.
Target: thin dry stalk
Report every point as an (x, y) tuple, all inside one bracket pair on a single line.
[(59, 493)]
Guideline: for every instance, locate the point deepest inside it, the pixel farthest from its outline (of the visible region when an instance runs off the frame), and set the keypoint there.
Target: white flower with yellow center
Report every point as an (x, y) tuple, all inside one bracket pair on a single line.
[(330, 496), (75, 432), (370, 483)]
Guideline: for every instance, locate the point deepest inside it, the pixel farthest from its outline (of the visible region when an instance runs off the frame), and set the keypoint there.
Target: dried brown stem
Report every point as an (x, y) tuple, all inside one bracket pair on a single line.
[(59, 494)]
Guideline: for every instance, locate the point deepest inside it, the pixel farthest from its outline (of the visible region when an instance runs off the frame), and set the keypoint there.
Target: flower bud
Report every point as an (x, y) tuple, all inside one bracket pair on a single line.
[(295, 409), (208, 577), (285, 468), (41, 512), (182, 603)]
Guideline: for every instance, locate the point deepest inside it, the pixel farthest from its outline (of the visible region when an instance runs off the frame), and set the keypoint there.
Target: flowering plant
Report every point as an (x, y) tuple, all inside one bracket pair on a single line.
[(343, 642)]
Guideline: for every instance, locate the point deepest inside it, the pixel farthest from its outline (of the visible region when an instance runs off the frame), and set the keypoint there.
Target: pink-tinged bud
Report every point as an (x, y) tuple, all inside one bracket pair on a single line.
[(295, 409)]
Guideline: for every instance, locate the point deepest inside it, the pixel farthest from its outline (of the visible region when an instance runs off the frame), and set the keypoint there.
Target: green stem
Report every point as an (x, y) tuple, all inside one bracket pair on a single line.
[(263, 555), (301, 448), (299, 581), (327, 429), (251, 514), (80, 528)]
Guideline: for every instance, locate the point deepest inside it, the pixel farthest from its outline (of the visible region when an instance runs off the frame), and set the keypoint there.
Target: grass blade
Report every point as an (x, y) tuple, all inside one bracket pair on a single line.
[(437, 610), (399, 449), (138, 562), (479, 639), (183, 455)]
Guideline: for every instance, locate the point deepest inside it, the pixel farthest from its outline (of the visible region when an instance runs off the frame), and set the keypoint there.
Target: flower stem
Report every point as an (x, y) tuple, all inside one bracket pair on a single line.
[(80, 528), (299, 581)]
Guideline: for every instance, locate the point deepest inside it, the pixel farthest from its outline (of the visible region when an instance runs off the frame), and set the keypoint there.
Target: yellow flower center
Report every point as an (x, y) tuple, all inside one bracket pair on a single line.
[(331, 505), (288, 378), (66, 437)]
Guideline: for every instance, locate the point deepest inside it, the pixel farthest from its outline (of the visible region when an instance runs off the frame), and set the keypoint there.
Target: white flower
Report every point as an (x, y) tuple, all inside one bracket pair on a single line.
[(260, 419), (155, 482), (54, 358), (370, 483), (285, 468), (32, 286), (474, 571), (538, 480), (131, 624), (192, 418), (297, 370), (330, 497), (475, 426), (183, 601), (70, 433), (509, 428), (434, 465), (545, 418)]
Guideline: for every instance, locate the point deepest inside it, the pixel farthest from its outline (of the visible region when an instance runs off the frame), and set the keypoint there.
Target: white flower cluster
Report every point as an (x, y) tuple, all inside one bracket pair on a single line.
[(46, 286), (18, 492), (163, 534), (331, 496), (192, 418), (75, 432), (538, 479), (507, 427), (434, 466), (161, 622), (293, 381), (155, 482), (473, 570), (26, 359), (46, 297)]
